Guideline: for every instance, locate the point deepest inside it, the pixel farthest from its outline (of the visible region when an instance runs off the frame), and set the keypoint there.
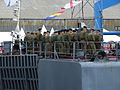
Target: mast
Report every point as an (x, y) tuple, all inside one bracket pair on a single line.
[(19, 13), (17, 30)]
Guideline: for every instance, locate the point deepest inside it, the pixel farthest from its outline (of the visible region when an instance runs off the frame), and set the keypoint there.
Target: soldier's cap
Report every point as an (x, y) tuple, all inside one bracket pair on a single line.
[(70, 29), (62, 30), (39, 29), (45, 32), (28, 32), (56, 31), (98, 30), (32, 33), (67, 30), (92, 29), (48, 31), (74, 31), (84, 26)]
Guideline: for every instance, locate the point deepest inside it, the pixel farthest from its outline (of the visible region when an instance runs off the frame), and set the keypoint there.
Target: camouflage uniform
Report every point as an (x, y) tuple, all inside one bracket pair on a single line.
[(68, 43), (61, 43), (54, 41), (48, 45), (83, 40), (98, 39), (91, 45), (29, 39)]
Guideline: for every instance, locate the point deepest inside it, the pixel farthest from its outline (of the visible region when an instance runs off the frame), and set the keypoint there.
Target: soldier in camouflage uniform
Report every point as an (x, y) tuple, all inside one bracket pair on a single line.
[(44, 45), (48, 44), (98, 39), (83, 39), (38, 41), (29, 38), (74, 36), (91, 39), (83, 34), (61, 41), (54, 40), (68, 38)]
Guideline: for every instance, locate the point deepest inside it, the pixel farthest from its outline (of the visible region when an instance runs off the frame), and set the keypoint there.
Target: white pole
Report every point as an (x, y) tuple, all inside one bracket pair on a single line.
[(18, 23), (19, 9)]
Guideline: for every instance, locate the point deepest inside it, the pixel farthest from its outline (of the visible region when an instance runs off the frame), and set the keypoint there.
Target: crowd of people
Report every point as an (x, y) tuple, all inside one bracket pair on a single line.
[(89, 38)]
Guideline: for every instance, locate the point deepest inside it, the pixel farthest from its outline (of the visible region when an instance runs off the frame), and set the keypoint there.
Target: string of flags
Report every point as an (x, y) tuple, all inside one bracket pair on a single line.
[(66, 6), (71, 4), (54, 15)]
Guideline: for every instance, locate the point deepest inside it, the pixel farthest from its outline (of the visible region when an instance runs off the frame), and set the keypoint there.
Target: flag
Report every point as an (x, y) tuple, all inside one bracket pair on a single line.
[(10, 3), (15, 33), (22, 34), (43, 30), (52, 32), (17, 29), (71, 4), (54, 15)]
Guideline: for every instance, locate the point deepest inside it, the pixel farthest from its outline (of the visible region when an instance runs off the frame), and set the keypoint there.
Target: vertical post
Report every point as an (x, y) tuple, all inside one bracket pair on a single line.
[(55, 52), (45, 48), (11, 47), (18, 24), (19, 9), (98, 17), (40, 43), (74, 50), (33, 47), (82, 10), (1, 82), (72, 12), (20, 46), (54, 45), (26, 47)]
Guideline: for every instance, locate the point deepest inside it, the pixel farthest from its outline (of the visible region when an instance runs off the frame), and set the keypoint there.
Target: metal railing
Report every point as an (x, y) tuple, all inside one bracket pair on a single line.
[(64, 49)]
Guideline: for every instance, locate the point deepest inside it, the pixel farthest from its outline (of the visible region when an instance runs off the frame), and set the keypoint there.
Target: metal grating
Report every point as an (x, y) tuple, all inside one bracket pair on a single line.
[(18, 72)]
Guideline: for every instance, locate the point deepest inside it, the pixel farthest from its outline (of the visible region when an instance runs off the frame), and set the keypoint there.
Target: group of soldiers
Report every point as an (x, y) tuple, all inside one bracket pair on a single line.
[(89, 39)]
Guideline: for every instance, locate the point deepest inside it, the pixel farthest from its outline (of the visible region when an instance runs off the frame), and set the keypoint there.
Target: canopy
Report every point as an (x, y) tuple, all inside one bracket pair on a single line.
[(108, 38)]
